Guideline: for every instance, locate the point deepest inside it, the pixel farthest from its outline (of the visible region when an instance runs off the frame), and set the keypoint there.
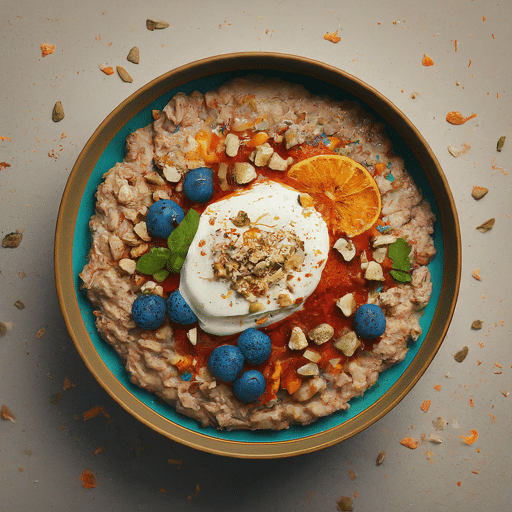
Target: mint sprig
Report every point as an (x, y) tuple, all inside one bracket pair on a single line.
[(399, 252), (159, 261)]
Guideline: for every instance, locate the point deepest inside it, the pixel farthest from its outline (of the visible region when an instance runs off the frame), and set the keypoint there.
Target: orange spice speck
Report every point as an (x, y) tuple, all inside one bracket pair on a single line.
[(493, 36), (427, 61), (469, 63), (456, 117), (47, 49), (455, 42), (483, 18), (332, 36), (425, 406), (474, 472), (88, 479), (459, 483), (471, 403), (5, 138), (437, 387), (410, 442), (95, 411), (108, 70), (470, 439)]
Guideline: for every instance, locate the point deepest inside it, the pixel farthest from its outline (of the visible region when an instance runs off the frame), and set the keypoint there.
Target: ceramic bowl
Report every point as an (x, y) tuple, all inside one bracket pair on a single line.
[(72, 243)]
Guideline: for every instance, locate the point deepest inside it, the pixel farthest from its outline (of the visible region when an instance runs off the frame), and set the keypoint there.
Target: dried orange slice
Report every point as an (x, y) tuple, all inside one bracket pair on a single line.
[(346, 186)]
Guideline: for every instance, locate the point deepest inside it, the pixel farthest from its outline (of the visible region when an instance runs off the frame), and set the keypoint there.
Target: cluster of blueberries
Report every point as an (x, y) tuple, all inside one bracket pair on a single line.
[(164, 216)]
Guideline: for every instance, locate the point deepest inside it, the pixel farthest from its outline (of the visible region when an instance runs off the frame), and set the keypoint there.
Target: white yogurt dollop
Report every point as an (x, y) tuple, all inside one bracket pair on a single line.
[(271, 206)]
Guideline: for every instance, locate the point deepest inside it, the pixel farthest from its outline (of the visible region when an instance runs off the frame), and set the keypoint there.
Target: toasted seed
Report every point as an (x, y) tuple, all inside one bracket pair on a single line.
[(19, 304), (58, 112), (125, 76), (3, 329), (155, 25), (461, 354), (501, 141), (486, 226), (479, 192), (133, 55), (380, 458), (345, 504), (477, 324), (12, 240)]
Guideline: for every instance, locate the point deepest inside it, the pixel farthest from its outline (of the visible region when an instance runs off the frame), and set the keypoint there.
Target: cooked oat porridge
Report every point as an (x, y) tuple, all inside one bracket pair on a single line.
[(260, 255)]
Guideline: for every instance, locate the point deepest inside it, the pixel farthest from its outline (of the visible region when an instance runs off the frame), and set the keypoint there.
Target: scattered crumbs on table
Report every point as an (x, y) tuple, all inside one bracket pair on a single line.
[(5, 138)]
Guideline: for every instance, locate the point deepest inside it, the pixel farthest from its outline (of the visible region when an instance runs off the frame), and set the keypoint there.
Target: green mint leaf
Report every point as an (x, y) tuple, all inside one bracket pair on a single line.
[(399, 252), (153, 261), (180, 239), (160, 275), (401, 275)]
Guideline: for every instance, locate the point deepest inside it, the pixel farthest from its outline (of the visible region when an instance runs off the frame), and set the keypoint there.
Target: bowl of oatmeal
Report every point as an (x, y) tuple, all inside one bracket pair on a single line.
[(309, 221)]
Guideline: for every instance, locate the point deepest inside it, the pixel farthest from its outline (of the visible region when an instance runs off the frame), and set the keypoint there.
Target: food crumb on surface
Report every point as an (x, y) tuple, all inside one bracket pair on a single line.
[(380, 458), (47, 49), (470, 439), (12, 240), (88, 479), (352, 475), (108, 70), (477, 324), (67, 384), (332, 36), (98, 450), (427, 61), (95, 411), (175, 462), (345, 504), (479, 192), (476, 274), (425, 406), (455, 117), (40, 332), (7, 414), (410, 442), (437, 387)]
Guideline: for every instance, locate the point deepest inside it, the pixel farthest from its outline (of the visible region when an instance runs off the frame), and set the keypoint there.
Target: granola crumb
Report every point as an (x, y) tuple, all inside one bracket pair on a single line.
[(7, 413), (345, 504), (410, 442)]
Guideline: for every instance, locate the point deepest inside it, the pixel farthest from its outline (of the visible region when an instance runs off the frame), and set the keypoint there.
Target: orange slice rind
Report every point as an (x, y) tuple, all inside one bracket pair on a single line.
[(345, 186)]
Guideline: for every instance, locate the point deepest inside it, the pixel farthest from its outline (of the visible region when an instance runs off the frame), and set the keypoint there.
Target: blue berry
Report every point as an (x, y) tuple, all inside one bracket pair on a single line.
[(225, 363), (254, 345), (148, 311), (369, 321), (163, 217), (249, 386), (178, 310), (198, 184)]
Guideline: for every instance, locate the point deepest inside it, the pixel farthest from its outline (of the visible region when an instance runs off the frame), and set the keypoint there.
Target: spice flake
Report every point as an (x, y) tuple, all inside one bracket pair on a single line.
[(470, 439), (7, 413), (427, 61), (108, 70), (425, 406), (456, 117), (332, 36), (410, 442), (88, 479), (47, 49)]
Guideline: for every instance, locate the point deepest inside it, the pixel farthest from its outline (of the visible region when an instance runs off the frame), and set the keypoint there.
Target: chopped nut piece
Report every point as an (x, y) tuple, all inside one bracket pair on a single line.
[(435, 438), (244, 173), (12, 240), (142, 230), (133, 55), (241, 220), (19, 304), (223, 176), (192, 336), (171, 174), (345, 248), (347, 343), (306, 201), (308, 370), (298, 339), (382, 240), (477, 324), (486, 226), (479, 192), (410, 442), (276, 163), (155, 178), (439, 423), (347, 304), (321, 333), (284, 300), (380, 458), (461, 355), (501, 142), (123, 74), (232, 144), (379, 255), (263, 154), (128, 265), (312, 356), (156, 25), (139, 250), (476, 274), (7, 414), (454, 151), (58, 112), (374, 272)]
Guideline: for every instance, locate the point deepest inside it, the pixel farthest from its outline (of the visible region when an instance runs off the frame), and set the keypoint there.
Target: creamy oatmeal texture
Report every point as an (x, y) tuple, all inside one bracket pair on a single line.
[(279, 121)]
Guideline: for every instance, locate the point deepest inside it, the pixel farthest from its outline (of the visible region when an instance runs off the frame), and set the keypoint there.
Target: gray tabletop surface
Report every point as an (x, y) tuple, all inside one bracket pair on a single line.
[(46, 450)]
